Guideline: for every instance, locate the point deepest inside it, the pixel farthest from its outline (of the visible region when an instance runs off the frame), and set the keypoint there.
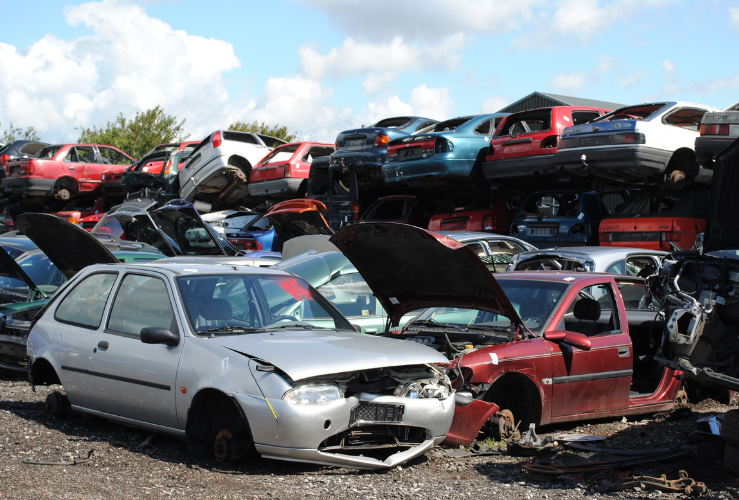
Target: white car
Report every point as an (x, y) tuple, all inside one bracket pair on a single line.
[(718, 131), (217, 173), (652, 141), (229, 219)]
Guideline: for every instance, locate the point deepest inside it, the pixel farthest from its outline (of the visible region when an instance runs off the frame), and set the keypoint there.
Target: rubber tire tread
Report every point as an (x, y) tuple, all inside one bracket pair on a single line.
[(730, 428), (731, 459)]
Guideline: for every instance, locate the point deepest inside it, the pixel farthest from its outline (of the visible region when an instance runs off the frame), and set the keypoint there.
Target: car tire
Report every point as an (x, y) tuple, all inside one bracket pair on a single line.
[(57, 404), (730, 428), (731, 459)]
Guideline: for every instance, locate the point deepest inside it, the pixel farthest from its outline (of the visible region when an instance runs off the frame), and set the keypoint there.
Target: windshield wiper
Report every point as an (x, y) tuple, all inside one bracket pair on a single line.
[(307, 326), (432, 323), (231, 330)]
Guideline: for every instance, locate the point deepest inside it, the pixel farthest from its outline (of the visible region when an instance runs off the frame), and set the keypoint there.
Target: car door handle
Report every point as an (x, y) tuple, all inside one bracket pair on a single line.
[(103, 344), (623, 352)]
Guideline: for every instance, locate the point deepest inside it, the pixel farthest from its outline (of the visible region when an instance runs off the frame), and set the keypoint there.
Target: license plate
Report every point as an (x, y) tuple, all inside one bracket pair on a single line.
[(542, 231), (354, 143), (406, 153)]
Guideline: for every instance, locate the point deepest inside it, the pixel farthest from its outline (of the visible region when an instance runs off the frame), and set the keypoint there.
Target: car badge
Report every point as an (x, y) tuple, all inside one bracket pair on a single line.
[(595, 129), (618, 125), (408, 139)]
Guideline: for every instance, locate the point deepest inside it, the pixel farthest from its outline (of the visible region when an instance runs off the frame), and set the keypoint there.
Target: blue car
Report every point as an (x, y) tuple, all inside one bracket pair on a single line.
[(452, 150), (363, 151), (563, 217)]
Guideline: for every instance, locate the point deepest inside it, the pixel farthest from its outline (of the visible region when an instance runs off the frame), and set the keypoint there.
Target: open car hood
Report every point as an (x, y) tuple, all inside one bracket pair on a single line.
[(299, 217), (722, 225), (9, 268), (69, 247), (410, 268), (188, 233), (317, 268)]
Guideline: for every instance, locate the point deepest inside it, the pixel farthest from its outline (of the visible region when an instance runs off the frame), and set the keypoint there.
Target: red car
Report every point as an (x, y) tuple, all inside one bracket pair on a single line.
[(475, 211), (658, 220), (284, 171), (525, 143), (63, 171), (80, 209), (546, 346)]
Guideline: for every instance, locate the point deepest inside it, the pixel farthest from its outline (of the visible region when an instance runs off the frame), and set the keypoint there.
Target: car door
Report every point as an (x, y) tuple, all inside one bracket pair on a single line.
[(76, 321), (137, 380), (73, 164), (90, 169), (598, 379)]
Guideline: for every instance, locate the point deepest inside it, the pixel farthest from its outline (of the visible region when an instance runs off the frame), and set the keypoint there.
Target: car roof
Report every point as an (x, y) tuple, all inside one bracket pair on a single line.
[(588, 250), (568, 277), (193, 269)]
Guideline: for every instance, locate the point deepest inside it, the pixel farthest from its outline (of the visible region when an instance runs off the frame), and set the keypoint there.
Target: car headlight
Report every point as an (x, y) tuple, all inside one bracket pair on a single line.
[(312, 394), (416, 390)]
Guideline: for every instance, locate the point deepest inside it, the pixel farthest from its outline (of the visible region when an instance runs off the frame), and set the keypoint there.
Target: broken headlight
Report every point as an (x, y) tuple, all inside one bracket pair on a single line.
[(417, 389), (313, 394)]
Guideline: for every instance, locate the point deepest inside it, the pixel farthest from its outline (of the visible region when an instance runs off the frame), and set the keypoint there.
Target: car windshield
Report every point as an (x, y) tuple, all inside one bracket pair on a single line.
[(235, 304), (40, 269), (533, 300), (283, 153), (640, 112)]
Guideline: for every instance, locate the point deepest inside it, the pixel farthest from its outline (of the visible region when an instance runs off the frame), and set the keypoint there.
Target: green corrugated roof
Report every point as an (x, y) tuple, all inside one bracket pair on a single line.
[(541, 100)]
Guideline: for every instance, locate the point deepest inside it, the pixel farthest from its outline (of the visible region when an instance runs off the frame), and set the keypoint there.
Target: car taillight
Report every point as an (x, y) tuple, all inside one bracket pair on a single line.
[(489, 222), (9, 223), (579, 229), (604, 237), (628, 139), (705, 130), (444, 145), (671, 236), (287, 170), (72, 220), (246, 244), (28, 168), (549, 142), (4, 159), (355, 211), (381, 140), (167, 167), (216, 140)]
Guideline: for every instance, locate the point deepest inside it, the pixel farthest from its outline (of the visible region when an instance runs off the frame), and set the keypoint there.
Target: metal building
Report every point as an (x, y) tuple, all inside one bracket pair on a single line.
[(541, 100)]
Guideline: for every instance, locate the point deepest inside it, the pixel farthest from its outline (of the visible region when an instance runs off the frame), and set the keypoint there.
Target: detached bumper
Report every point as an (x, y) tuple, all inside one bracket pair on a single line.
[(468, 420), (617, 163), (30, 186), (275, 187), (518, 167), (310, 433)]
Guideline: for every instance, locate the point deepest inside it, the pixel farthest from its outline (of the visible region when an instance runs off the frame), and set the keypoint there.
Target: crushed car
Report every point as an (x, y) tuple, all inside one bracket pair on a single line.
[(284, 172), (154, 176)]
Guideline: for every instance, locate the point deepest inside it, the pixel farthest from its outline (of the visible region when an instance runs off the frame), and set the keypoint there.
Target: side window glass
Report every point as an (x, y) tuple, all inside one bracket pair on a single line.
[(635, 297), (483, 128), (110, 155), (141, 301), (580, 117), (71, 156), (640, 266), (479, 250), (593, 312), (317, 152), (85, 154), (85, 304), (688, 118), (616, 268)]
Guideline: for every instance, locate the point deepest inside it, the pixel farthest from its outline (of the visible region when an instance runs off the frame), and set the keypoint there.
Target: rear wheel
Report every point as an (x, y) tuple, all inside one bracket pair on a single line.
[(57, 404)]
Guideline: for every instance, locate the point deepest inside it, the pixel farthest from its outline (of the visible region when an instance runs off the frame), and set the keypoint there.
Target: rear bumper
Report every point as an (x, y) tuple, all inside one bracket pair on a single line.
[(427, 171), (518, 167), (275, 187), (30, 186), (707, 149), (366, 162), (622, 163)]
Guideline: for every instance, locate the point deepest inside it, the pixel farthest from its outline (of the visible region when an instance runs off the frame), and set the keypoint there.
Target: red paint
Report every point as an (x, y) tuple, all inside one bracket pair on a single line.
[(294, 167), (468, 420), (679, 230), (484, 208)]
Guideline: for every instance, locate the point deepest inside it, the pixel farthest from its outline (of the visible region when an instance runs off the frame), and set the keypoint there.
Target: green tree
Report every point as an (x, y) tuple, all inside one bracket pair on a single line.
[(17, 133), (262, 128), (139, 135)]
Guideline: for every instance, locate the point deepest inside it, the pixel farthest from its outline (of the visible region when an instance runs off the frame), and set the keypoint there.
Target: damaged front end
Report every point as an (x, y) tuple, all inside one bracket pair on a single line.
[(368, 419)]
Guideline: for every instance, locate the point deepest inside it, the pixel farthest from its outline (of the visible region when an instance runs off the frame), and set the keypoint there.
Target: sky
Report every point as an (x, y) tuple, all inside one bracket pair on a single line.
[(323, 66)]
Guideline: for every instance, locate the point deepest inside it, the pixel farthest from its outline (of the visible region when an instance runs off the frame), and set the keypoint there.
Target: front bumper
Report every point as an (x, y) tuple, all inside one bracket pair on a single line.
[(275, 187), (518, 167), (367, 162), (300, 432), (29, 186), (616, 163)]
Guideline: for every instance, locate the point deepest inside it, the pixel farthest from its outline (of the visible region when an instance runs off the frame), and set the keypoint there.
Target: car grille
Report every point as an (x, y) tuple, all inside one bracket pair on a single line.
[(371, 412), (636, 236)]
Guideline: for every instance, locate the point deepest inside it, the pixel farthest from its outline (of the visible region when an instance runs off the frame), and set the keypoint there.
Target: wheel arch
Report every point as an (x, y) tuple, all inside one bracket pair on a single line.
[(42, 372), (517, 392), (242, 163), (65, 182), (210, 411)]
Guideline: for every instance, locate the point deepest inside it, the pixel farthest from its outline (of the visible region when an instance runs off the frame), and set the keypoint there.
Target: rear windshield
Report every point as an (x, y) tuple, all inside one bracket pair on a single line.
[(733, 107), (31, 148), (524, 123), (48, 152), (450, 124), (281, 154), (317, 152), (684, 203), (551, 205), (400, 122), (239, 137), (641, 112)]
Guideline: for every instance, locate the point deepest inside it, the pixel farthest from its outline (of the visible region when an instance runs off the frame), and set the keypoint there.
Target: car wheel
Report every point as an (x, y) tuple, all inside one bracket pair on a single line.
[(731, 459), (57, 404), (730, 428)]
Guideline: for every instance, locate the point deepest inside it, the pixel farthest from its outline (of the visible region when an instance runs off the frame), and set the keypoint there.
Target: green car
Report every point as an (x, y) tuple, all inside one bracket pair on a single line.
[(26, 285), (339, 281)]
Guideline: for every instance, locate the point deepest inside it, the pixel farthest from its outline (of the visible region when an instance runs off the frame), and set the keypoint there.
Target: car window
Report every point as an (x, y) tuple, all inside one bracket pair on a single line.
[(85, 154), (501, 252), (318, 182), (141, 302), (452, 124), (400, 122), (688, 118), (635, 297), (478, 248), (551, 263), (263, 224), (84, 305), (593, 312), (529, 121), (640, 112), (483, 128), (280, 154), (48, 152), (31, 148), (113, 157), (317, 152), (686, 203), (426, 125), (580, 117), (618, 267), (271, 142), (350, 294), (642, 266), (341, 183)]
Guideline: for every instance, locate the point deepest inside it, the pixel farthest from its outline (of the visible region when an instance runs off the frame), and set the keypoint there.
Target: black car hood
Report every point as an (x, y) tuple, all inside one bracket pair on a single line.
[(192, 236), (290, 224), (69, 247), (722, 225), (410, 268), (9, 268)]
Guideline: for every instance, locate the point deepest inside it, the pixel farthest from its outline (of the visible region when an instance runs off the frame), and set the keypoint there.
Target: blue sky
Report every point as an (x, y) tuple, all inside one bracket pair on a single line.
[(322, 66)]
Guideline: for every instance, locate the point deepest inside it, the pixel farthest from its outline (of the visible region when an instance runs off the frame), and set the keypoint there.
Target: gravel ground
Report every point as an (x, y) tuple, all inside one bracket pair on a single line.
[(122, 468)]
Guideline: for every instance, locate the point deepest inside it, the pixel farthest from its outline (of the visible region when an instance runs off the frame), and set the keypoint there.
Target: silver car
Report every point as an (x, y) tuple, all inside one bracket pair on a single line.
[(615, 260), (238, 360)]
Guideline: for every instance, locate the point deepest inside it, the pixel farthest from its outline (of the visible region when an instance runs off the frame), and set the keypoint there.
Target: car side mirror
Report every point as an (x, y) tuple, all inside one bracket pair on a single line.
[(157, 335), (570, 338)]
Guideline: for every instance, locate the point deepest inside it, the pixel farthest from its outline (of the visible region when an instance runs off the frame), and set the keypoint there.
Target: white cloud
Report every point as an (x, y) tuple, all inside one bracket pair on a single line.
[(432, 102), (392, 106), (388, 58), (576, 82), (375, 81), (429, 21), (734, 17), (494, 103), (129, 63), (635, 77), (672, 86)]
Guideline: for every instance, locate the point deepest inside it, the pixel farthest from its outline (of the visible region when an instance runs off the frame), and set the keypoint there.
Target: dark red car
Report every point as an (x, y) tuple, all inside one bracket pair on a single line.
[(284, 171), (546, 346), (524, 143), (82, 208), (658, 220), (63, 171), (475, 211)]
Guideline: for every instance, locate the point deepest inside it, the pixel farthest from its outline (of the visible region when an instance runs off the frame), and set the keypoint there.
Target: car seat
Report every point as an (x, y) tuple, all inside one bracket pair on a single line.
[(587, 314)]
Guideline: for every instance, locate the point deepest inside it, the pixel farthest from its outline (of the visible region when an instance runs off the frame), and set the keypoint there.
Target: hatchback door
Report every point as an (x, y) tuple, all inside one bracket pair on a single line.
[(137, 380)]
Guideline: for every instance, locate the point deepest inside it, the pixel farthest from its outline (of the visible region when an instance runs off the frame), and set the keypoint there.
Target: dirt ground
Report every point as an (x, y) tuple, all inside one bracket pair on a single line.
[(130, 463)]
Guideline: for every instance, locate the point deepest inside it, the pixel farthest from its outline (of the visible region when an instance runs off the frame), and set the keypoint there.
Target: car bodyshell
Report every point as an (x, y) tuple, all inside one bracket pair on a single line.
[(281, 176), (718, 131), (593, 259), (474, 211), (434, 157)]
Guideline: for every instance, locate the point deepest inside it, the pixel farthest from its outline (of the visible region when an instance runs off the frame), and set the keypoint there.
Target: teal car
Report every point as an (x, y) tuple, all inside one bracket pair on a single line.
[(28, 283), (339, 281)]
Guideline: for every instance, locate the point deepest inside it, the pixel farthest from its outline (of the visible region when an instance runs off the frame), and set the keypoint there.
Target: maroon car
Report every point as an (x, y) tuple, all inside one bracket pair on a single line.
[(529, 347)]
